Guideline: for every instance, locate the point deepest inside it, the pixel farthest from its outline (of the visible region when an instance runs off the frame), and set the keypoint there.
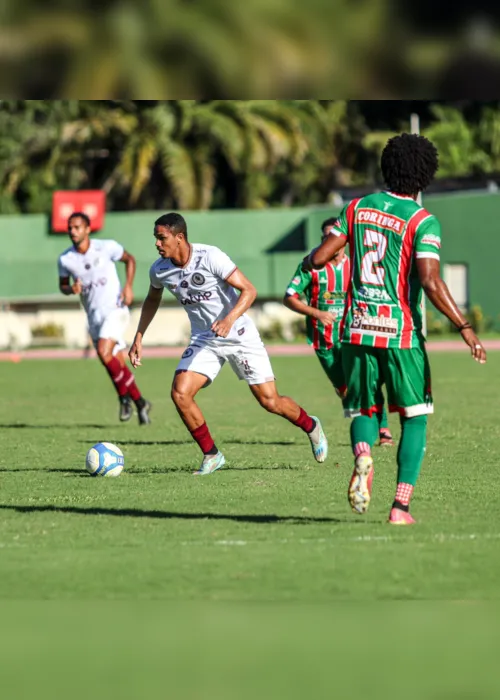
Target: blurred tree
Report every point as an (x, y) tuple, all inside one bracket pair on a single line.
[(188, 154)]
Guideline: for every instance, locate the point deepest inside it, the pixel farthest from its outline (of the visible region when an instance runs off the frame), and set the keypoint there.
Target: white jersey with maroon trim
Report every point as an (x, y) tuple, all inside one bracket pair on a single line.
[(201, 287), (96, 270)]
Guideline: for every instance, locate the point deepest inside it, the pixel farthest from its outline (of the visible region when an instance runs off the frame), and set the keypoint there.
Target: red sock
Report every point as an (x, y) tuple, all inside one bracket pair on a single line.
[(132, 388), (117, 374), (203, 438), (404, 493), (304, 421)]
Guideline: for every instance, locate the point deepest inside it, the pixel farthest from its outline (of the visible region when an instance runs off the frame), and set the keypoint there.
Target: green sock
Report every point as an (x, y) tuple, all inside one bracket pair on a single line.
[(383, 422), (411, 448), (364, 432)]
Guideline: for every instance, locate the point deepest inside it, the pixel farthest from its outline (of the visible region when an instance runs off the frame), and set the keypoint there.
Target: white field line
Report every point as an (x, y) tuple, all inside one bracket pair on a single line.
[(438, 537)]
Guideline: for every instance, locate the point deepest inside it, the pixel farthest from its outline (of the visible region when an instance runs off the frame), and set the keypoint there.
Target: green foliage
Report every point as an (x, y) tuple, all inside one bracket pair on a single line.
[(191, 154)]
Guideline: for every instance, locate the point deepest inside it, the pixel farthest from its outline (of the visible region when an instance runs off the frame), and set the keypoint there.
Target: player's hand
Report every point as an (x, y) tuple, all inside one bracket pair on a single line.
[(476, 348), (222, 327), (76, 287), (127, 295), (135, 353), (325, 317)]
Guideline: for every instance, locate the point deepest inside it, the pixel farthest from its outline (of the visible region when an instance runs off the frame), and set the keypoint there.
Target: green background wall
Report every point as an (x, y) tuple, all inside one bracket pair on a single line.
[(266, 244)]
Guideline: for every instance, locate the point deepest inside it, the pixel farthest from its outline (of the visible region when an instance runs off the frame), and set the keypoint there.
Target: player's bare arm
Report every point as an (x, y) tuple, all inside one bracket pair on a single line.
[(127, 294), (325, 252), (148, 312), (300, 307), (248, 294), (67, 288), (439, 294)]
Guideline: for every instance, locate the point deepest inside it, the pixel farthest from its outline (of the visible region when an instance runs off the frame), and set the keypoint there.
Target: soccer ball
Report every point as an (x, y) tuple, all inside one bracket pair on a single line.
[(104, 459)]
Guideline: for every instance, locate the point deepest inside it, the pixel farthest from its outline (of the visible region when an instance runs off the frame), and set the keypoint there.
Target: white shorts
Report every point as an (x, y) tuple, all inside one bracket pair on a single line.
[(249, 360), (112, 327)]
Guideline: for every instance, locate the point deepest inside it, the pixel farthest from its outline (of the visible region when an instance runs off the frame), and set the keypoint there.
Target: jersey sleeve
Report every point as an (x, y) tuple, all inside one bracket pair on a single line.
[(428, 239), (341, 228), (155, 282), (62, 270), (299, 282), (220, 264), (114, 249)]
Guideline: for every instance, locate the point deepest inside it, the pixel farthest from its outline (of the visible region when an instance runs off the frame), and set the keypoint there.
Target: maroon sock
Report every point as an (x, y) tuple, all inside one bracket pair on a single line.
[(204, 439), (304, 421), (132, 388), (117, 374)]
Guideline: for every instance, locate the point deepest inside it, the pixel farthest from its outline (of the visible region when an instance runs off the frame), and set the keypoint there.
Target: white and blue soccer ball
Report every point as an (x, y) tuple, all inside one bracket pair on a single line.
[(104, 459)]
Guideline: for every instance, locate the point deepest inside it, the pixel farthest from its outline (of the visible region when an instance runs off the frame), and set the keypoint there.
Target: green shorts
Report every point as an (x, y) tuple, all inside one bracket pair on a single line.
[(406, 374), (331, 361)]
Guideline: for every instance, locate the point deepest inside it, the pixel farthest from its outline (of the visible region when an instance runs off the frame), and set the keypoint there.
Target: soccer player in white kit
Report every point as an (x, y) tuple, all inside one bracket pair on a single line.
[(206, 282), (92, 265)]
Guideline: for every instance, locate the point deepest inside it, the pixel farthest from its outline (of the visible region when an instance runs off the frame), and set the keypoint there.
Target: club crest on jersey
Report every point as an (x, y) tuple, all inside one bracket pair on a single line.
[(197, 279), (87, 266), (187, 353), (327, 295)]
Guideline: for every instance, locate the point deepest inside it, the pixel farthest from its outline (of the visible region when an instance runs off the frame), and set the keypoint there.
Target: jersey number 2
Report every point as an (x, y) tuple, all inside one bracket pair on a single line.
[(371, 270)]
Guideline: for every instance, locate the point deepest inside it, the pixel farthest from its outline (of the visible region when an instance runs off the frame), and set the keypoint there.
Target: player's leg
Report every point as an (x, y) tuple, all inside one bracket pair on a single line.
[(284, 406), (384, 432), (331, 362), (250, 362), (134, 394), (409, 389), (197, 368), (362, 403), (111, 339)]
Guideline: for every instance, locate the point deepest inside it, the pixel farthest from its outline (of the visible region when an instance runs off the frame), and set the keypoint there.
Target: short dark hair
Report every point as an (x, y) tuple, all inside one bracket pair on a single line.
[(175, 222), (332, 221), (81, 215), (409, 163)]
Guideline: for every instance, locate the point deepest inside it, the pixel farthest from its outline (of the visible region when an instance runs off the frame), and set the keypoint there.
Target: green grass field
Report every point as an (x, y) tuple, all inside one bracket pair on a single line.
[(272, 526), (257, 581)]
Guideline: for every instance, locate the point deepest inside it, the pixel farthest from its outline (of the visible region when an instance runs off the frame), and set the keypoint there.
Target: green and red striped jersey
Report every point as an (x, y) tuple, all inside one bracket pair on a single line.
[(386, 233), (325, 290)]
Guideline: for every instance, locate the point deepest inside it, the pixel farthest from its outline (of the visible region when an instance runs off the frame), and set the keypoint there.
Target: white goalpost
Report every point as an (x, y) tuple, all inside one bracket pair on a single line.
[(415, 129)]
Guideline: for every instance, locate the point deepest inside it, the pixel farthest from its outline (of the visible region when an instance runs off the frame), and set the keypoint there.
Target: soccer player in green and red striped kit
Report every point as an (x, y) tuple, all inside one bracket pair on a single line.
[(394, 245), (325, 293)]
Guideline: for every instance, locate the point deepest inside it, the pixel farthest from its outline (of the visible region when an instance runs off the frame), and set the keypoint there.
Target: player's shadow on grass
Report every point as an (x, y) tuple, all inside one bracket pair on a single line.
[(172, 515), (64, 426), (119, 441)]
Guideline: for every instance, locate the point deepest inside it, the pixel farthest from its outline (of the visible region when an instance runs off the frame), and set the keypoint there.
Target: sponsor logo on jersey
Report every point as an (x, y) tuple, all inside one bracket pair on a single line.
[(87, 266), (296, 280), (364, 323), (431, 239), (187, 353), (197, 279), (184, 284), (87, 288), (377, 218), (196, 298), (333, 295), (241, 331), (375, 294)]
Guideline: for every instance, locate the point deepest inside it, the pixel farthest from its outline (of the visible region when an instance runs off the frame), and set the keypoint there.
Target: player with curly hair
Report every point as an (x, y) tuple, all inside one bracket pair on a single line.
[(394, 244)]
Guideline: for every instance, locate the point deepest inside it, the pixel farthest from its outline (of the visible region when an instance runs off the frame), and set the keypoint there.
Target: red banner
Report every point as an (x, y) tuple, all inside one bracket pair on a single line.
[(67, 202)]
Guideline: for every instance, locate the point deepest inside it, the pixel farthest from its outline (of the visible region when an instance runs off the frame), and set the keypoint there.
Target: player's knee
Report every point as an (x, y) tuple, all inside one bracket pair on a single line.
[(270, 403), (104, 355), (179, 397)]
